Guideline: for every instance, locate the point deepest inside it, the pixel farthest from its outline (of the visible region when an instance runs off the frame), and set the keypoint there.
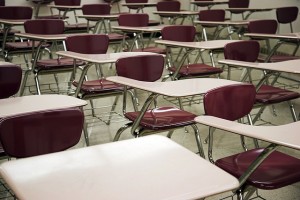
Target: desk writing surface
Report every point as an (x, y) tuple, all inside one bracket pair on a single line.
[(209, 45), (228, 23), (44, 36), (285, 135), (290, 66), (112, 16), (140, 4), (36, 103), (101, 58), (214, 2), (140, 29), (12, 21), (290, 36), (148, 168), (64, 7), (177, 12), (178, 88)]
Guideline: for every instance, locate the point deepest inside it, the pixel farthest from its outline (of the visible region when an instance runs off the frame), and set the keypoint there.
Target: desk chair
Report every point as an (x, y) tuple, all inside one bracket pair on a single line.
[(267, 94), (140, 8), (238, 4), (239, 99), (93, 89), (158, 119), (211, 15), (138, 20), (185, 33), (270, 27), (10, 48), (287, 15), (102, 9), (168, 6), (47, 66)]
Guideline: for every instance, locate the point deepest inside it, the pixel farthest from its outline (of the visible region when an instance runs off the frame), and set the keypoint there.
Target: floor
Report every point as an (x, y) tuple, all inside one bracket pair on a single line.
[(225, 143)]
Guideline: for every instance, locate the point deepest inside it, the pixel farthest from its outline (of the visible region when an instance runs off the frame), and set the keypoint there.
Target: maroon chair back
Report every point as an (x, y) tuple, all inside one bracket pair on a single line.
[(88, 43), (15, 12), (44, 26), (138, 19), (238, 4), (135, 1), (40, 133), (287, 14), (180, 33), (242, 50), (67, 2), (217, 15), (230, 102), (96, 9), (143, 68), (10, 80), (168, 6), (267, 26)]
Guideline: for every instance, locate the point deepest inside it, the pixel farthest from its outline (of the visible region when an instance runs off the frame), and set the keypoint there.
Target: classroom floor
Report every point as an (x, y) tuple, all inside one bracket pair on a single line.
[(224, 143)]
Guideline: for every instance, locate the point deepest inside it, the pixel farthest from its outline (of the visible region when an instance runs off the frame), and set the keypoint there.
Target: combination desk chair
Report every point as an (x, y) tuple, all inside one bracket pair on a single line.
[(138, 20), (239, 99), (171, 6), (158, 119), (93, 89), (138, 8), (47, 66), (269, 26), (216, 15), (185, 33), (238, 4), (287, 15), (267, 94), (10, 48), (102, 9)]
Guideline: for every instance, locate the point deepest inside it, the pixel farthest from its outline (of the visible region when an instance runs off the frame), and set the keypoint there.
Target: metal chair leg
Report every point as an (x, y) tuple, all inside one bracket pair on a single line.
[(121, 130), (198, 140)]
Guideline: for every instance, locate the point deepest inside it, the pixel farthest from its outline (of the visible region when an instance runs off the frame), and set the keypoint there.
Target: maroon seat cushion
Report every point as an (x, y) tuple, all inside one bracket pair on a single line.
[(53, 64), (100, 86), (21, 46), (278, 170), (163, 118), (198, 69), (269, 94)]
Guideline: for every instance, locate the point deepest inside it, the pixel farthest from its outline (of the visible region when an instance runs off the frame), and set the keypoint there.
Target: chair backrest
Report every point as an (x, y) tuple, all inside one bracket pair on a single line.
[(40, 133), (67, 2), (137, 19), (180, 33), (267, 26), (96, 9), (247, 51), (44, 26), (143, 68), (168, 6), (135, 1), (10, 80), (287, 14), (230, 102), (88, 43), (238, 3), (217, 15), (15, 12)]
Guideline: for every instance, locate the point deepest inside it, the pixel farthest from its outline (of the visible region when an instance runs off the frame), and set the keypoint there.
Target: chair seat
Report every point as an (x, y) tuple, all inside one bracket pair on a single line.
[(98, 87), (151, 49), (277, 58), (197, 69), (278, 170), (269, 94), (54, 64), (163, 118), (15, 46)]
